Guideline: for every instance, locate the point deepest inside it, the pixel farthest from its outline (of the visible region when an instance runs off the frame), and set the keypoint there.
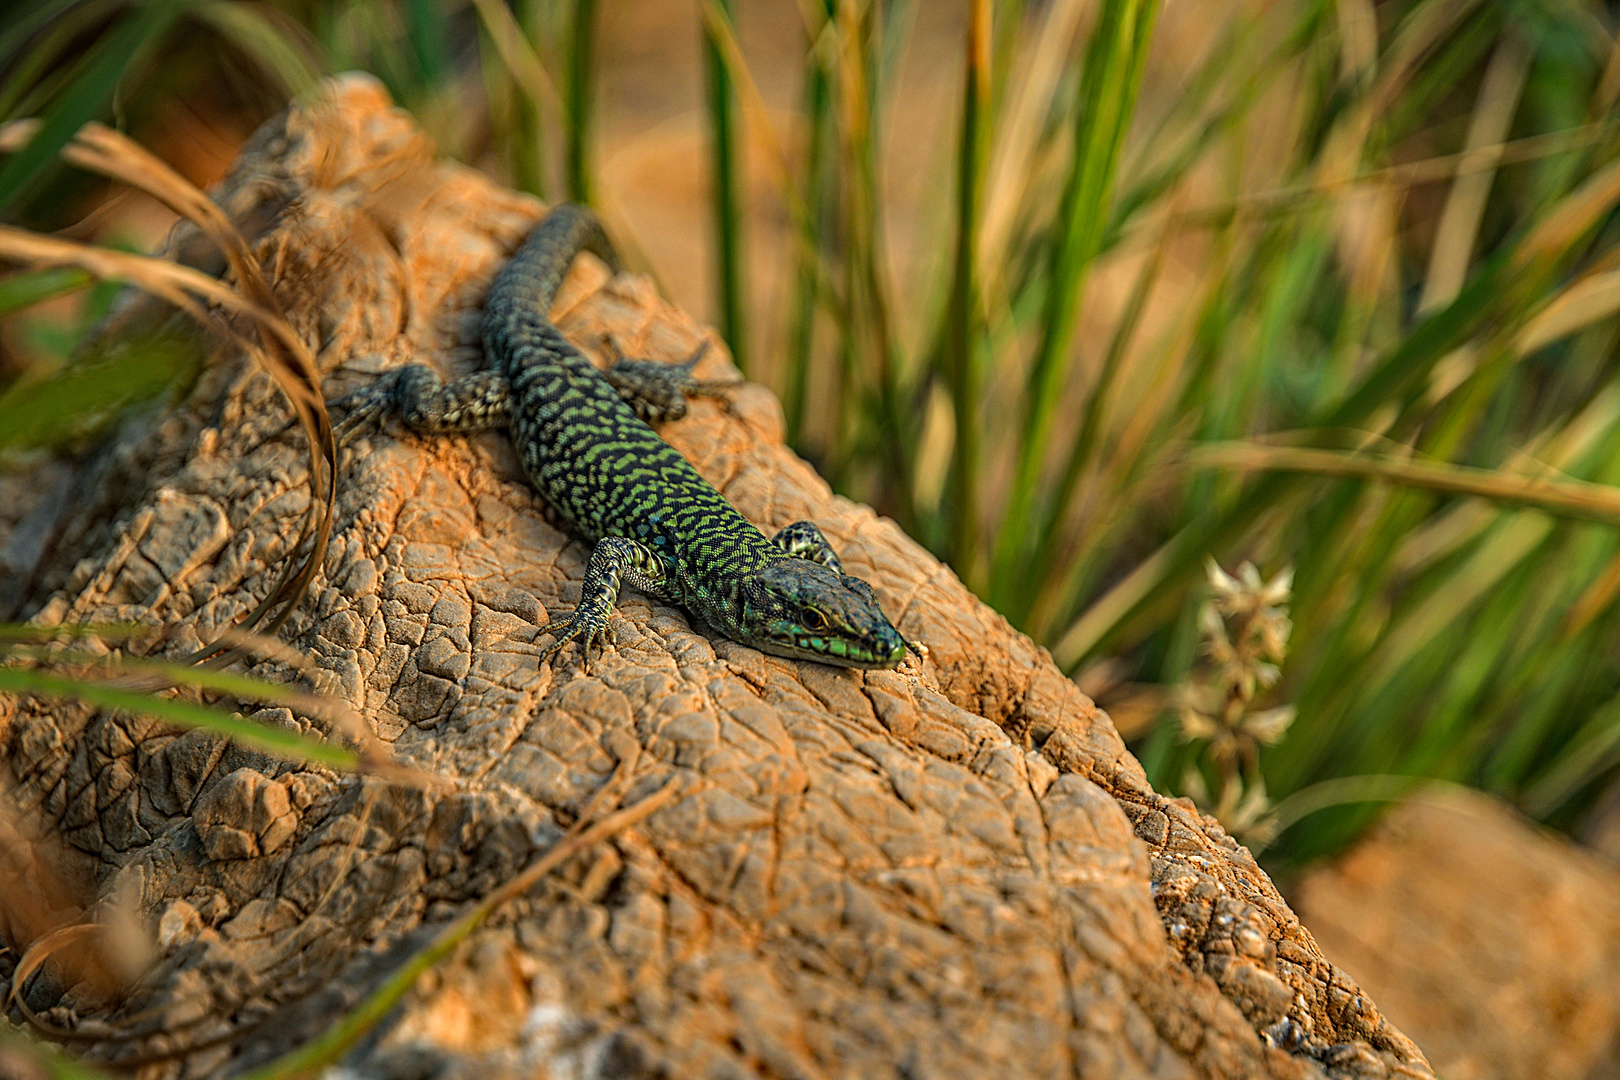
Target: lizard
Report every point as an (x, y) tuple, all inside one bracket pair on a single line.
[(586, 444)]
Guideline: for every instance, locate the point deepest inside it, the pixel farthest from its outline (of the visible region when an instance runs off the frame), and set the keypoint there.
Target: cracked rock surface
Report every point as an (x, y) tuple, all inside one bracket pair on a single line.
[(948, 870)]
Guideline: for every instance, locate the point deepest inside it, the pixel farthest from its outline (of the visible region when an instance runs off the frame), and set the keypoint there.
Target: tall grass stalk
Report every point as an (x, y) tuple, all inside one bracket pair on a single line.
[(726, 164), (1106, 100), (88, 87), (815, 197), (963, 332), (581, 101)]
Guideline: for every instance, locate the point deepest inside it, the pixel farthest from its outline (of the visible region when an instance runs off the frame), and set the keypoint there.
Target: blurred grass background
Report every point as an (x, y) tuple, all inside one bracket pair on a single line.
[(1085, 294)]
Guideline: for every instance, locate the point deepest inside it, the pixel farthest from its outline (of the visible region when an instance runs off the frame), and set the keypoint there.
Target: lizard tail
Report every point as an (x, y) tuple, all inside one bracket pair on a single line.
[(531, 278)]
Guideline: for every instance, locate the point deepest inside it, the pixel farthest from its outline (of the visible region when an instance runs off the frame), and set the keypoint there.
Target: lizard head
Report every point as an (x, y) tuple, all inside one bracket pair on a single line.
[(799, 608)]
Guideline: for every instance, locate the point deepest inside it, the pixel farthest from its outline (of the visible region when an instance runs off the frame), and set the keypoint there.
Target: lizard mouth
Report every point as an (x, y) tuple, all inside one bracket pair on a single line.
[(882, 651)]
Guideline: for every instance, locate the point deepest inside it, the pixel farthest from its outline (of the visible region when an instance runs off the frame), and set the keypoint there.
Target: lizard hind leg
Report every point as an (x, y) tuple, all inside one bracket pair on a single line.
[(426, 403), (655, 391)]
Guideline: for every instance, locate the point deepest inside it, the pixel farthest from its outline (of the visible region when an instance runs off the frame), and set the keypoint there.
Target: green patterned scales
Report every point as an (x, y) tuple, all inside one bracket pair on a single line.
[(586, 446)]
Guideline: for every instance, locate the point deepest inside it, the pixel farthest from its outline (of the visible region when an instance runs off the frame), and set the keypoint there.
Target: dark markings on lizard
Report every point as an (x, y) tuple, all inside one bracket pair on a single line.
[(586, 446)]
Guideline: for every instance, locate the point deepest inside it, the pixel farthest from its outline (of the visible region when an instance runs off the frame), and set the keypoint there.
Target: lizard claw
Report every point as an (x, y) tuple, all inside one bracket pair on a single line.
[(590, 632), (363, 410), (715, 388)]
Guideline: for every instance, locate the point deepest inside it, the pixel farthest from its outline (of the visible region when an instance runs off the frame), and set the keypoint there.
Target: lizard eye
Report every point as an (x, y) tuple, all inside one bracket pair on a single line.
[(813, 619)]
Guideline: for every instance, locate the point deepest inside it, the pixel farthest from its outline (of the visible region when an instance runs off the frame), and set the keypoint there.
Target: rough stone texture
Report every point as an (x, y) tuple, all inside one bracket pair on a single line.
[(957, 871), (1493, 941)]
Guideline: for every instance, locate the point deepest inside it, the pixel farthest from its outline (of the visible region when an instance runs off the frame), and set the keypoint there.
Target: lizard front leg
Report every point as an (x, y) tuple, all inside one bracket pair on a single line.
[(803, 540), (615, 561), (427, 404)]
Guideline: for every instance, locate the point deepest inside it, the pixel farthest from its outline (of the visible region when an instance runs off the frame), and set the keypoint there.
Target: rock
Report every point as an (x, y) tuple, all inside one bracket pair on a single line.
[(955, 869), (1493, 941), (243, 816)]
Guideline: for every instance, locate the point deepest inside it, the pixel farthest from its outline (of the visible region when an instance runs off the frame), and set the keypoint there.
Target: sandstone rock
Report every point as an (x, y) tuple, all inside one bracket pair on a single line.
[(951, 870)]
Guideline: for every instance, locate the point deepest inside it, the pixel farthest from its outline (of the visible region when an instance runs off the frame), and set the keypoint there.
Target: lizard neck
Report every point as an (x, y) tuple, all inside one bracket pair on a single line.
[(713, 586)]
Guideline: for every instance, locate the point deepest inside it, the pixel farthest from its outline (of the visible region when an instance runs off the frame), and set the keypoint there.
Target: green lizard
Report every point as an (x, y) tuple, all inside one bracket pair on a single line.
[(585, 444)]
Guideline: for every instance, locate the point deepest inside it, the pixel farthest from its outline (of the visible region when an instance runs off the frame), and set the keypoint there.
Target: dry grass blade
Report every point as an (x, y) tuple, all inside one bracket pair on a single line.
[(1453, 249), (182, 287), (1572, 218), (1564, 442), (1423, 30), (756, 114), (1586, 301), (1564, 497), (519, 56), (98, 148), (37, 899), (48, 923), (1111, 607), (1028, 113), (1405, 175), (1594, 600), (284, 356), (1338, 792), (178, 285), (755, 111), (78, 937)]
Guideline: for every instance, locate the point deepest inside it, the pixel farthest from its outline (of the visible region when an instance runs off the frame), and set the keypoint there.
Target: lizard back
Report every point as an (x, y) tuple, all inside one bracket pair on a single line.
[(594, 460)]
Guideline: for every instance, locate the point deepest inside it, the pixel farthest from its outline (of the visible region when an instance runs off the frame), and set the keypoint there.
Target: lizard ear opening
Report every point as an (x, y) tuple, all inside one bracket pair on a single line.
[(754, 593)]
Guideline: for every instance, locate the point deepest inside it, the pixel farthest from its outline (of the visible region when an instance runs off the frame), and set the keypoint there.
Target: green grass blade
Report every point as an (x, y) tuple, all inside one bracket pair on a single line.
[(725, 135), (811, 229), (284, 744), (32, 48), (48, 411), (18, 291), (425, 24), (256, 33), (581, 102), (110, 58), (963, 325), (1106, 102)]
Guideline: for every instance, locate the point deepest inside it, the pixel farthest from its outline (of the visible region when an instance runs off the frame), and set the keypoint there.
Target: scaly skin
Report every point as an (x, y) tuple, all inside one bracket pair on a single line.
[(656, 523)]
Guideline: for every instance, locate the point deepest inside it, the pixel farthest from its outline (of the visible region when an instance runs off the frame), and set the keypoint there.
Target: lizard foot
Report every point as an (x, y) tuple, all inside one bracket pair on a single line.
[(656, 391), (590, 631), (365, 409)]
